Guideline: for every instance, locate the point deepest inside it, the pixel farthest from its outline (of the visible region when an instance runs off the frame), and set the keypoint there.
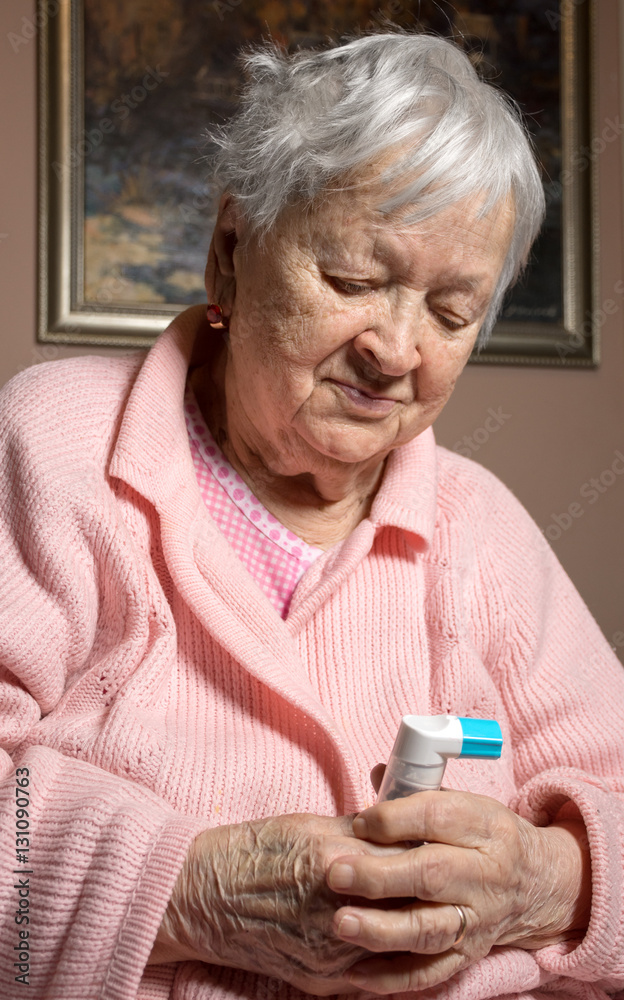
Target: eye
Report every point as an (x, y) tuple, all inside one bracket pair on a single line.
[(449, 324), (349, 287)]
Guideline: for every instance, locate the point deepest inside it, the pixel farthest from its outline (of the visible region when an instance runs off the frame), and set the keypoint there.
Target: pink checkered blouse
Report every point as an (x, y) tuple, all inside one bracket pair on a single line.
[(275, 557)]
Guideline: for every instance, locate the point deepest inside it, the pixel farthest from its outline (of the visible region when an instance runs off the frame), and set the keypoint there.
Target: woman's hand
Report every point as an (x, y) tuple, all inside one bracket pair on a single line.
[(517, 884), (254, 896)]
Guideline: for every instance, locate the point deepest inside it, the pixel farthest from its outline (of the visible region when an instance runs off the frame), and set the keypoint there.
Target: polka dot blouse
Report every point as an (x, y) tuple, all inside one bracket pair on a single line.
[(275, 556)]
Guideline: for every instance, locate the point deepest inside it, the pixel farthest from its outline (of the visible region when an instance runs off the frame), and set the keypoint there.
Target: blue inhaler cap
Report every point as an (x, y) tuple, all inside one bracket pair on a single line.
[(481, 738)]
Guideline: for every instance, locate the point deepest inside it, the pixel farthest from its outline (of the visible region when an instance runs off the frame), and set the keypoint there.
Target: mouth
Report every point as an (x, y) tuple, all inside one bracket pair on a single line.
[(365, 399)]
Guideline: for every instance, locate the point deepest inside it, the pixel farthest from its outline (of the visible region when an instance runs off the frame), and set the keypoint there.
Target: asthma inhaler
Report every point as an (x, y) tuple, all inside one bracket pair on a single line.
[(423, 745)]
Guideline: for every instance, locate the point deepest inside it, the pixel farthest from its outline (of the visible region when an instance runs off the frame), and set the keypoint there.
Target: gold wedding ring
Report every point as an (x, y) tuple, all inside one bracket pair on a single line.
[(461, 933)]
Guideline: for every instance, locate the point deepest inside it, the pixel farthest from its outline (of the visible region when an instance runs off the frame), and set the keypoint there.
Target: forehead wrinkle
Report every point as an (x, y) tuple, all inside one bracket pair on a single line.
[(451, 280), (469, 283), (338, 248), (373, 240), (401, 250)]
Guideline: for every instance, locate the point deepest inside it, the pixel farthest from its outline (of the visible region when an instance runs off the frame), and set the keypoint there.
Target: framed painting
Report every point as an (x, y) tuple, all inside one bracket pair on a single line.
[(128, 87)]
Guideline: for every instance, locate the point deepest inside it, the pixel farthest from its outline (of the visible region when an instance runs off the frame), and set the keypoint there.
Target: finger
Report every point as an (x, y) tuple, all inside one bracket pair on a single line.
[(449, 817), (433, 872), (405, 973), (422, 928), (376, 776)]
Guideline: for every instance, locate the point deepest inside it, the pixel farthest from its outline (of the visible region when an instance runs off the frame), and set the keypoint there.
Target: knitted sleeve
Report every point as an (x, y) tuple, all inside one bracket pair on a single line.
[(88, 858), (564, 693)]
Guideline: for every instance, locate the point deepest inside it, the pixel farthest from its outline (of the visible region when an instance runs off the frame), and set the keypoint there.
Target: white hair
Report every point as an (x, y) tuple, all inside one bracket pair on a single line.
[(310, 120)]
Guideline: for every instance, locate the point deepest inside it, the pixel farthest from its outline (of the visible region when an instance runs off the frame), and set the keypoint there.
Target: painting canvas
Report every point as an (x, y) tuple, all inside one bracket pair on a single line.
[(153, 75)]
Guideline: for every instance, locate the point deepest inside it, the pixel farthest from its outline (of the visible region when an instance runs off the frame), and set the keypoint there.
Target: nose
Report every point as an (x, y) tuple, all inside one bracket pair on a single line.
[(392, 344)]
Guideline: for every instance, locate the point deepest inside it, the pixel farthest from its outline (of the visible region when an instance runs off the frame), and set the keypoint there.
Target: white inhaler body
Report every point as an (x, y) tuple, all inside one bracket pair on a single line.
[(423, 745)]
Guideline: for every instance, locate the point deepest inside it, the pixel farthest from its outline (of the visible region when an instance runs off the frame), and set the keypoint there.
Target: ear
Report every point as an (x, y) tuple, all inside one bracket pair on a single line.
[(220, 279)]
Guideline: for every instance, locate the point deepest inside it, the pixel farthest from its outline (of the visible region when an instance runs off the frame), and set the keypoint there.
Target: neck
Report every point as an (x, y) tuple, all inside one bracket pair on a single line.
[(321, 504), (320, 509)]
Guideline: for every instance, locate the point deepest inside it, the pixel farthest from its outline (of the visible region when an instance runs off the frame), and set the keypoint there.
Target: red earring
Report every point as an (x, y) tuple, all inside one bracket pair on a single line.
[(215, 317)]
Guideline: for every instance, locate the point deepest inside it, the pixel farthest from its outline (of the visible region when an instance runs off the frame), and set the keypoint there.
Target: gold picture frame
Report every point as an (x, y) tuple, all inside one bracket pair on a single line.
[(68, 316)]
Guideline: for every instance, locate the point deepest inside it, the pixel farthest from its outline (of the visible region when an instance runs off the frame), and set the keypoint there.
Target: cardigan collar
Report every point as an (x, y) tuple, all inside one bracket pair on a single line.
[(152, 453)]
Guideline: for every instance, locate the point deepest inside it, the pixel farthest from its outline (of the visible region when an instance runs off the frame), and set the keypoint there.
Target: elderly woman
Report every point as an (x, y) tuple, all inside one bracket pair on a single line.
[(230, 567)]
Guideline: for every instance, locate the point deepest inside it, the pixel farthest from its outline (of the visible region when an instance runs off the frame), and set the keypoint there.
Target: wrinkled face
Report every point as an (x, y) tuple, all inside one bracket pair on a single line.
[(348, 333)]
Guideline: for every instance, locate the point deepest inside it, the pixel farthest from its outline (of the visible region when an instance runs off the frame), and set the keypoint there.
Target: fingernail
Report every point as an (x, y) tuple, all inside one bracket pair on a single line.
[(357, 978), (349, 926), (341, 876), (360, 827)]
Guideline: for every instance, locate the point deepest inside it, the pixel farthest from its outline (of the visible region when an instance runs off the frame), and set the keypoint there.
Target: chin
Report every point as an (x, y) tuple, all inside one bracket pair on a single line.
[(353, 452)]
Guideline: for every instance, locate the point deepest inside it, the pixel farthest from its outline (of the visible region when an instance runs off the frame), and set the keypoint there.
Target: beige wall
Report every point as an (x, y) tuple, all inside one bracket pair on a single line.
[(560, 428)]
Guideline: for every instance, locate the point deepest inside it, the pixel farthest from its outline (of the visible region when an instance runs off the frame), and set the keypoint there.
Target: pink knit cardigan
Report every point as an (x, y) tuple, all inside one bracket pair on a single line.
[(152, 691)]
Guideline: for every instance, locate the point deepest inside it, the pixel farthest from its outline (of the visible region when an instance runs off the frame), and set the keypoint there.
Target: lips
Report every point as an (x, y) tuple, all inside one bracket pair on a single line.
[(364, 399), (364, 392)]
